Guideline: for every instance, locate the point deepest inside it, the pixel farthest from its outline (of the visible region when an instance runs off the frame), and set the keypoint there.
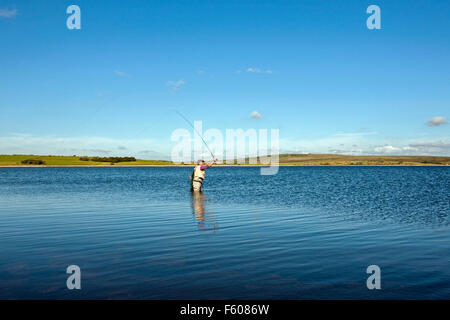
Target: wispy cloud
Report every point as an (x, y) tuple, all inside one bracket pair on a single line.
[(122, 74), (255, 115), (257, 70), (81, 145), (387, 149), (8, 13), (436, 148), (95, 151), (366, 143), (440, 147), (175, 85), (152, 154), (336, 143), (355, 134), (437, 121)]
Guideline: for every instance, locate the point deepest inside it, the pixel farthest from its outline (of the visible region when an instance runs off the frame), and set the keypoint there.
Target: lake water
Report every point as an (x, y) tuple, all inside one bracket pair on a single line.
[(305, 233)]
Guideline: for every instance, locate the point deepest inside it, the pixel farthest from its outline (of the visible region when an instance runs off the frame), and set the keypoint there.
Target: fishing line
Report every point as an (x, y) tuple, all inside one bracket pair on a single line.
[(185, 119)]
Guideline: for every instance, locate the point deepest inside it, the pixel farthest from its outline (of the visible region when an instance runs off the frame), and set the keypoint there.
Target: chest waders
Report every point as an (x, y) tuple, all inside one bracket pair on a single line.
[(198, 176)]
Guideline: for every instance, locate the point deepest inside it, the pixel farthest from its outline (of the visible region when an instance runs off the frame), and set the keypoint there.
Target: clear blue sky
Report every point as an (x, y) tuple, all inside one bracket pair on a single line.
[(310, 68)]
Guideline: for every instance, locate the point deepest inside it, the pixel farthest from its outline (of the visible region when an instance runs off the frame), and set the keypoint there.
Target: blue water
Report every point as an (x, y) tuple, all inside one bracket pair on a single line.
[(305, 233)]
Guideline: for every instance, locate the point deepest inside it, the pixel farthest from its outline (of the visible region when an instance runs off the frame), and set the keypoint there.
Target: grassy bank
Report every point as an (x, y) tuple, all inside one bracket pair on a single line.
[(16, 160), (285, 159)]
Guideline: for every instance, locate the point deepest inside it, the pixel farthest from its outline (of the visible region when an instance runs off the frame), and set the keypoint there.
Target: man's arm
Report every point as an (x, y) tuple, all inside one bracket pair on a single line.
[(209, 165)]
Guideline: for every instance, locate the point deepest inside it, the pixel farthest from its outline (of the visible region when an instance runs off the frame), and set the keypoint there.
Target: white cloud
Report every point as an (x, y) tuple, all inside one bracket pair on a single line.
[(334, 143), (255, 115), (82, 145), (257, 70), (408, 148), (175, 85), (432, 147), (367, 143), (8, 13), (151, 155), (437, 121), (436, 148), (355, 134), (387, 149), (352, 144), (122, 74)]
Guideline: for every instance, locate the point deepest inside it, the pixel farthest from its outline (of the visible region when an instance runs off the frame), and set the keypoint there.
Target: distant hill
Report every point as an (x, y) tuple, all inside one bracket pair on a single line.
[(284, 160), (346, 160)]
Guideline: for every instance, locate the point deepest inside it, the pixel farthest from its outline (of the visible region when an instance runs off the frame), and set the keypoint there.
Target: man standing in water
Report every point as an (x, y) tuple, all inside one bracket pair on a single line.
[(198, 175)]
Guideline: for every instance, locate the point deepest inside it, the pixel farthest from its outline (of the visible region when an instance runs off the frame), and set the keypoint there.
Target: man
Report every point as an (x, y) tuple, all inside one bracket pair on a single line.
[(198, 175)]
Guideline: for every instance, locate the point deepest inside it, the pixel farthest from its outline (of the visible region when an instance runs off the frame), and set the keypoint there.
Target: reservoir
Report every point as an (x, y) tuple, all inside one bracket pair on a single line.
[(304, 233)]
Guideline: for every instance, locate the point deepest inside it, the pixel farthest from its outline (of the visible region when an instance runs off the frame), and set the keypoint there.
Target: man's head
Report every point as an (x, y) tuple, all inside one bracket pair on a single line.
[(201, 162)]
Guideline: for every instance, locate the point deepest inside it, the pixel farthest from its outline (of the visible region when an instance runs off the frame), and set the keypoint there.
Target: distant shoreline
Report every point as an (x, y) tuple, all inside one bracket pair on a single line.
[(222, 166), (284, 160)]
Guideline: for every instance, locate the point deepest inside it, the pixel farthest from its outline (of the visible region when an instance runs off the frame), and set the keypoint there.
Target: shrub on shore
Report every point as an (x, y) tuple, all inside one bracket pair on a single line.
[(109, 159), (33, 161)]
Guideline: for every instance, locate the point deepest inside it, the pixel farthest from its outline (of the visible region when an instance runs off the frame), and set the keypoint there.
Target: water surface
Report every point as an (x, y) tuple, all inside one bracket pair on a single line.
[(305, 233)]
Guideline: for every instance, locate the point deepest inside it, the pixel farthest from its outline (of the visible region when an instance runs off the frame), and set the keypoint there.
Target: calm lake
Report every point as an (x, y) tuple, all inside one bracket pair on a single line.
[(305, 233)]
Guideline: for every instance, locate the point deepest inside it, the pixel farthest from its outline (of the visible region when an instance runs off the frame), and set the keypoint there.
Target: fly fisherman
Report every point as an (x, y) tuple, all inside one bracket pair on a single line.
[(198, 175)]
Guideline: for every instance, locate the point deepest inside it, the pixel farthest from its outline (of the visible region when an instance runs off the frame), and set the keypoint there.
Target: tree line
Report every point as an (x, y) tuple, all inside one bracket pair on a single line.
[(108, 159)]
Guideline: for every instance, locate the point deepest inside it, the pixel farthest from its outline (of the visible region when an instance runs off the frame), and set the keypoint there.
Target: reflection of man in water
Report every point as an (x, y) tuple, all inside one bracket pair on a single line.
[(198, 205), (198, 175)]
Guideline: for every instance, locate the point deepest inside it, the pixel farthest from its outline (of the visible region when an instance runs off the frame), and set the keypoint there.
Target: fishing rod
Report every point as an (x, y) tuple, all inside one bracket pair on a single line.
[(185, 119)]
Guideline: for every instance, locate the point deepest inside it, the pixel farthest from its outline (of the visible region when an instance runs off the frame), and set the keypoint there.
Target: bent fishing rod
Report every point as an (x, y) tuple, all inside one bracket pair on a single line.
[(185, 119)]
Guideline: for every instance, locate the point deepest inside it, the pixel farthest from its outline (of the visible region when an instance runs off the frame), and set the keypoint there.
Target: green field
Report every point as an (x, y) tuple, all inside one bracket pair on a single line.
[(285, 159), (15, 160)]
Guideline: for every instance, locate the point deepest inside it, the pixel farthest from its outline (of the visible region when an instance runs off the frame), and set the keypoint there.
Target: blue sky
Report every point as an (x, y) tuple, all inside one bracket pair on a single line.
[(312, 69)]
